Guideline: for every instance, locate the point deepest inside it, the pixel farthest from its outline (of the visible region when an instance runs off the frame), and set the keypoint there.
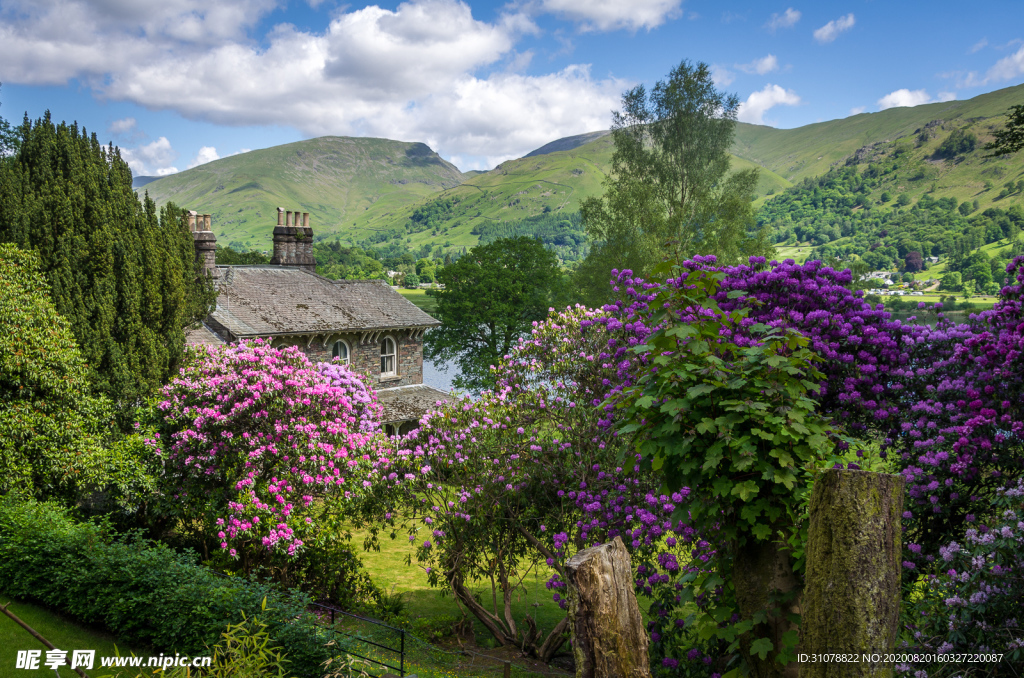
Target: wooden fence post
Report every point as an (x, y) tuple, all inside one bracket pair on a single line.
[(851, 600), (608, 635)]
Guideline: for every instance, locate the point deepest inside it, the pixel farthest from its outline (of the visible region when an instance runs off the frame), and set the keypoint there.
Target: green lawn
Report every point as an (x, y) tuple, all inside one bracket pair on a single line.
[(62, 632), (420, 298)]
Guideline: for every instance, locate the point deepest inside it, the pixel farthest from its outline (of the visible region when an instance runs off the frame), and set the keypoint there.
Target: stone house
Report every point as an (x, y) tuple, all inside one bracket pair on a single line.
[(364, 323)]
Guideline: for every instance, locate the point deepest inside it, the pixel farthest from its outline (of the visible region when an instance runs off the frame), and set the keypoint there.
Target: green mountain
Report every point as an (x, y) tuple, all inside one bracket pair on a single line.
[(812, 149), (517, 196), (402, 196), (340, 181)]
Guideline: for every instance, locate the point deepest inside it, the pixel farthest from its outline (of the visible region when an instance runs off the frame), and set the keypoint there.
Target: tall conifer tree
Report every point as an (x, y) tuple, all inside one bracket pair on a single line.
[(123, 275)]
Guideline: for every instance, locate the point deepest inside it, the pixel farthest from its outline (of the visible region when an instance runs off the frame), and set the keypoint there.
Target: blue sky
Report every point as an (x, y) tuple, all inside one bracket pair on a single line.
[(176, 83)]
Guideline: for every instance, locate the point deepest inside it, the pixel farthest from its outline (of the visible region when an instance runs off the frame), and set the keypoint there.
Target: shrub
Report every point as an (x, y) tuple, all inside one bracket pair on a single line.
[(143, 592), (971, 603), (52, 442), (262, 448)]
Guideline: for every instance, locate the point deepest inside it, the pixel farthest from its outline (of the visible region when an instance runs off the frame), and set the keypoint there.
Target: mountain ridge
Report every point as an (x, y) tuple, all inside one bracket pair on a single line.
[(403, 194)]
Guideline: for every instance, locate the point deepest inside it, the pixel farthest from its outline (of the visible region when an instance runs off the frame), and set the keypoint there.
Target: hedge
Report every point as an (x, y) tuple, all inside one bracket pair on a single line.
[(142, 591)]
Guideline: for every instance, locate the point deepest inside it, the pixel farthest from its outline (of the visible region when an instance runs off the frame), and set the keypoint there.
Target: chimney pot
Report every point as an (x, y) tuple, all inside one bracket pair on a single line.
[(305, 219), (280, 216), (206, 222)]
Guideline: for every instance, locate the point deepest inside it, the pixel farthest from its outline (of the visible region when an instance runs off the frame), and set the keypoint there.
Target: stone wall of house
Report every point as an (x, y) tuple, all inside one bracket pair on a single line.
[(365, 358)]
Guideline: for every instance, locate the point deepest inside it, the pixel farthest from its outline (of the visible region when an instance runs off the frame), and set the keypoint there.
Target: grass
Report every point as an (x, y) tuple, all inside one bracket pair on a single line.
[(421, 299), (390, 570), (59, 630)]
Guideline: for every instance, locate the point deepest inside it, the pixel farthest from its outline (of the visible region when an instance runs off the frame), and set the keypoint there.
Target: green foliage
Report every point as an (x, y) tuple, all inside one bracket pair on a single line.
[(957, 143), (141, 591), (669, 192), (833, 213), (491, 297), (561, 233), (735, 422), (245, 650), (228, 256), (51, 427), (430, 216), (335, 261), (1010, 139), (412, 281), (951, 282), (122, 276)]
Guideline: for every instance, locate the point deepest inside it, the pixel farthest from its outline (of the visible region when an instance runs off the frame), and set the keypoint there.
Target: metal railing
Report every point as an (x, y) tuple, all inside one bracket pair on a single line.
[(400, 650)]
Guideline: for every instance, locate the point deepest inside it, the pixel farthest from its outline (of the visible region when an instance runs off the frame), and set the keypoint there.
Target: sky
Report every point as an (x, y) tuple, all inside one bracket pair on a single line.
[(177, 83)]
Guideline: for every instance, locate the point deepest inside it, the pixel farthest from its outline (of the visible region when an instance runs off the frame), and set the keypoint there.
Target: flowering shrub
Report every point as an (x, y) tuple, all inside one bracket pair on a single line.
[(526, 475), (943, 401), (254, 437), (724, 410), (972, 603)]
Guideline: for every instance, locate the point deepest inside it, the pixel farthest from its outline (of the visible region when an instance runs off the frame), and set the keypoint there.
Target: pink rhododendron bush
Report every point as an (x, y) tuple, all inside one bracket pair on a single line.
[(263, 449)]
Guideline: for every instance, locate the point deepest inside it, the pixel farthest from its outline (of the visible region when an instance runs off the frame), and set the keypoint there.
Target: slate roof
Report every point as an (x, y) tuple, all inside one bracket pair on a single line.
[(403, 403), (262, 300), (202, 336)]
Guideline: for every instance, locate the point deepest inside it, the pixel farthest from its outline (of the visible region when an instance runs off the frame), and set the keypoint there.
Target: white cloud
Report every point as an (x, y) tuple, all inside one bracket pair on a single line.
[(904, 97), (1007, 68), (947, 96), (154, 158), (610, 15), (857, 110), (426, 70), (721, 76), (832, 29), (978, 46), (206, 154), (122, 126), (757, 104), (760, 66), (787, 19)]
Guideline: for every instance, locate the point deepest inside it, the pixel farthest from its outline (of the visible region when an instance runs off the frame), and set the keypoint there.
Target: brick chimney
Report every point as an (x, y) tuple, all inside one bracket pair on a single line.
[(205, 242), (293, 240)]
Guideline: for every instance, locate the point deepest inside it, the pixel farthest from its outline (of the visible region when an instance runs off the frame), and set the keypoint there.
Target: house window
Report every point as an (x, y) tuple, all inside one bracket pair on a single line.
[(340, 351), (387, 357)]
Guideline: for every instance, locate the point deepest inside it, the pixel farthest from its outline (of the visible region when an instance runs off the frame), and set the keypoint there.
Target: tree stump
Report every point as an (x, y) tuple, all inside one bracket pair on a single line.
[(852, 585), (608, 635)]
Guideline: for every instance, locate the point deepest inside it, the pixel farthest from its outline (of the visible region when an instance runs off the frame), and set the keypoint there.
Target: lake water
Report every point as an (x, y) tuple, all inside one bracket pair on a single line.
[(439, 375)]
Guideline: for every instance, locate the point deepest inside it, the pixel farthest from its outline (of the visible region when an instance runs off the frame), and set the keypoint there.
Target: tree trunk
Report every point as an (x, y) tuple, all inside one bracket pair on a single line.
[(762, 574), (608, 635), (852, 586)]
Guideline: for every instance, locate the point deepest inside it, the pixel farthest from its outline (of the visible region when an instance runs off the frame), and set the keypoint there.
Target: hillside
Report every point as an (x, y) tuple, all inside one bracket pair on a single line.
[(403, 197), (515, 196), (811, 150), (926, 204), (340, 181)]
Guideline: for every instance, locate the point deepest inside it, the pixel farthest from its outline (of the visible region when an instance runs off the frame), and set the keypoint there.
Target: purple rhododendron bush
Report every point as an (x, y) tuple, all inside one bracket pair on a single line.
[(575, 447), (941, 404), (264, 452)]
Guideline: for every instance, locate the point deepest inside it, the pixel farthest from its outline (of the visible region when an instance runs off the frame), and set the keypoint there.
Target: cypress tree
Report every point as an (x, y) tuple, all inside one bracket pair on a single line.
[(122, 274)]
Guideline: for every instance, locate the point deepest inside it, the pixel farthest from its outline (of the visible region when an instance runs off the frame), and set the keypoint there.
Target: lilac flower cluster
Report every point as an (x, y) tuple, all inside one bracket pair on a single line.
[(972, 604)]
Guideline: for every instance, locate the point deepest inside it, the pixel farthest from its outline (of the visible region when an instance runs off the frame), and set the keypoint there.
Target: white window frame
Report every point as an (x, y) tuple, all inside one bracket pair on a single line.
[(348, 352), (393, 372)]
